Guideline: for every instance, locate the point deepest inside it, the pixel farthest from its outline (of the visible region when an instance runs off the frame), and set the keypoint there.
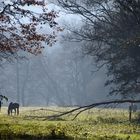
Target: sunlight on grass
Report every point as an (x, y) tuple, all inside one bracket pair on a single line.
[(92, 124)]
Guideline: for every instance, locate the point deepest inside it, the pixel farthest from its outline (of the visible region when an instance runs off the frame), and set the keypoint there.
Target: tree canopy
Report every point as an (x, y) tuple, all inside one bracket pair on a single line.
[(20, 26), (111, 33)]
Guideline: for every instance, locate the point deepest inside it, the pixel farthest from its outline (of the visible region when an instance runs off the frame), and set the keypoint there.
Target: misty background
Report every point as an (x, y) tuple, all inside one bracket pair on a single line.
[(62, 75)]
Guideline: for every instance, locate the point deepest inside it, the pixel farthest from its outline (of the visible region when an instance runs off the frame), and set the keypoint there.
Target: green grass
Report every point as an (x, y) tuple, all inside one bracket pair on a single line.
[(96, 124)]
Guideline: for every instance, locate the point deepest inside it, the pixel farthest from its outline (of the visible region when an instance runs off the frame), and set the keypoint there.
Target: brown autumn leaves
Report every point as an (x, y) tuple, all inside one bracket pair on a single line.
[(19, 27)]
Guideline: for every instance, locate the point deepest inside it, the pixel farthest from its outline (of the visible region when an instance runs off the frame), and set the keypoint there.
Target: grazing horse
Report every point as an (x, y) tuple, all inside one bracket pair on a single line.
[(13, 106)]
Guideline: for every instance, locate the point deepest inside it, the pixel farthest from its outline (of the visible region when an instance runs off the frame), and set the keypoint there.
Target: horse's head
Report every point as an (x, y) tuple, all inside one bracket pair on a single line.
[(11, 103)]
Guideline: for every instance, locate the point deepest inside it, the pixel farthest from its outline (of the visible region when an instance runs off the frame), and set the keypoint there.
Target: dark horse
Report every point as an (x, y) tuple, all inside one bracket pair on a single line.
[(13, 106)]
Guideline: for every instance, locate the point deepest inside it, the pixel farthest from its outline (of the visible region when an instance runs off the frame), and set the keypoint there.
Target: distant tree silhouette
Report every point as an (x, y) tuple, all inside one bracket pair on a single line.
[(1, 98)]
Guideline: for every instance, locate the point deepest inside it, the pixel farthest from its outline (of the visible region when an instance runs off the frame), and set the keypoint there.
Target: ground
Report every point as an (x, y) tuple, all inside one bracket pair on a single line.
[(95, 124)]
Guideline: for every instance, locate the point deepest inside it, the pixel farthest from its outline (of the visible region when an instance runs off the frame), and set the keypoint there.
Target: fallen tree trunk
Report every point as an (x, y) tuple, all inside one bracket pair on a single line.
[(87, 107)]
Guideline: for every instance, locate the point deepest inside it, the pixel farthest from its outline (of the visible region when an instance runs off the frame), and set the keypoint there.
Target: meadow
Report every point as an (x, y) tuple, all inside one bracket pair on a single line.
[(94, 124)]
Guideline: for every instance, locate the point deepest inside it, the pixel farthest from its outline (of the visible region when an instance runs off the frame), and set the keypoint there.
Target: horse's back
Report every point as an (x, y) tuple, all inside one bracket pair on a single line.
[(16, 105), (13, 105)]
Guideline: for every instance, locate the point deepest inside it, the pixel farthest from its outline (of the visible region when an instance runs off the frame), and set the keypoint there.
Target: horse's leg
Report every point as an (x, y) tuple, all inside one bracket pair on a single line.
[(15, 111), (11, 112), (8, 111), (0, 106), (18, 111)]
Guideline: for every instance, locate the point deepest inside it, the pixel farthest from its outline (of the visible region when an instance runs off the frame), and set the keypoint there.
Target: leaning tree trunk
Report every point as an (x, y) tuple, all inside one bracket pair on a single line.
[(87, 107)]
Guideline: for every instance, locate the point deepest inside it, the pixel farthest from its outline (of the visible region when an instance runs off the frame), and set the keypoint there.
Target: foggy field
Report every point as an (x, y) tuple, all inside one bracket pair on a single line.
[(60, 60), (95, 124)]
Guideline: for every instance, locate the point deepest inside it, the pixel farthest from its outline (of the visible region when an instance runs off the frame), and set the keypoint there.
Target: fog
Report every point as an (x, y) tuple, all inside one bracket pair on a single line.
[(62, 75), (59, 77)]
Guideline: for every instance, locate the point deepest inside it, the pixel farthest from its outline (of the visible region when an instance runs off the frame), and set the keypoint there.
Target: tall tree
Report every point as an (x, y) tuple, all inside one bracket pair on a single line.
[(111, 33)]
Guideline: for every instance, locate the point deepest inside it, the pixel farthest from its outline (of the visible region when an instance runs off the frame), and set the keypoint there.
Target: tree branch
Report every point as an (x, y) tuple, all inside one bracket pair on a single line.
[(87, 107)]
